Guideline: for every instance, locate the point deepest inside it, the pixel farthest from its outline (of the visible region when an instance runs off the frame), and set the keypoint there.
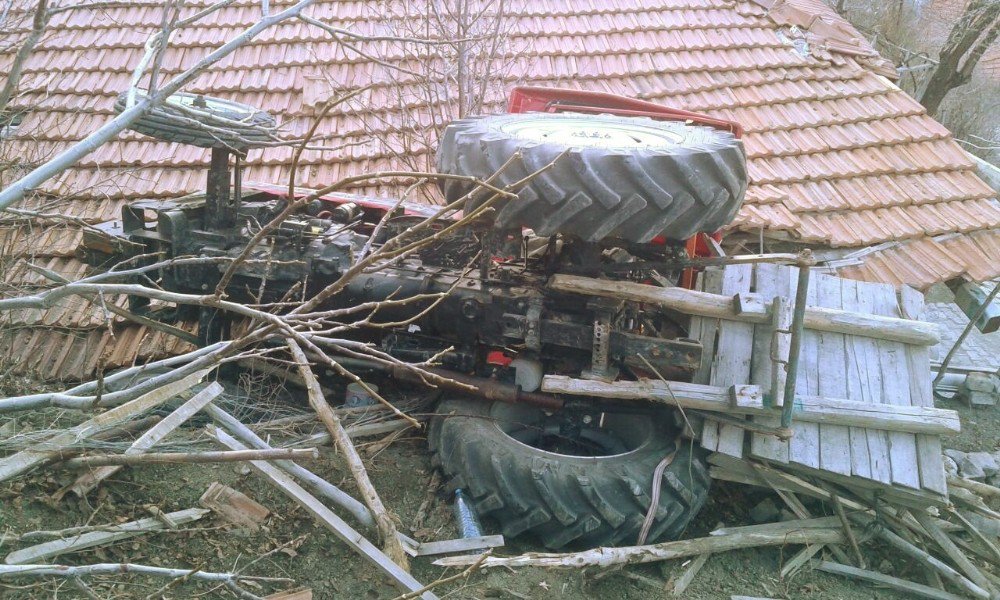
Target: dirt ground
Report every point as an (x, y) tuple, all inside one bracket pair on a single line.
[(294, 546)]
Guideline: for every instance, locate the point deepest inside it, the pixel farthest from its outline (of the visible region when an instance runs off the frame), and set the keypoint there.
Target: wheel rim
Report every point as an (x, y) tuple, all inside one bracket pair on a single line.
[(593, 132)]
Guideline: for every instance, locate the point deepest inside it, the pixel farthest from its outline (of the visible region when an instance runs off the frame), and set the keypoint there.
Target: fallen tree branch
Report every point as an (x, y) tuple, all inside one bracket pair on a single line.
[(319, 485), (605, 557), (10, 571), (83, 462), (386, 527)]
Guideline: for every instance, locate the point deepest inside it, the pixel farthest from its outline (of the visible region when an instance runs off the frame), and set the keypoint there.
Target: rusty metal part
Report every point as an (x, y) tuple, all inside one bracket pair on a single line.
[(489, 389)]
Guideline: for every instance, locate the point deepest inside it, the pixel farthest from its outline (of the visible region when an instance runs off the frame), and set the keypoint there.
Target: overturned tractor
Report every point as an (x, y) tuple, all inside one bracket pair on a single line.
[(605, 186)]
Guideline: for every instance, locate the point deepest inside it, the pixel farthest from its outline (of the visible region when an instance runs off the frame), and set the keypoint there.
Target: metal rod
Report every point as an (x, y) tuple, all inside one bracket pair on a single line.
[(798, 320)]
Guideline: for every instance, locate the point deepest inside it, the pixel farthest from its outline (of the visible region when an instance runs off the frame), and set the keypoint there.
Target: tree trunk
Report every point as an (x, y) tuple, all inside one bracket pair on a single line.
[(972, 34)]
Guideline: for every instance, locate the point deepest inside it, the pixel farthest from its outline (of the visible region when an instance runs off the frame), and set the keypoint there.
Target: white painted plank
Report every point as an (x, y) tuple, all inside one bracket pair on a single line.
[(803, 448), (871, 373), (930, 465), (834, 440), (769, 281), (896, 390), (855, 374), (732, 364)]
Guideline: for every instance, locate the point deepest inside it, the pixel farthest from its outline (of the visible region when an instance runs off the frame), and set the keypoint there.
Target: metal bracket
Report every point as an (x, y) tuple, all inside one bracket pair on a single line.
[(604, 313)]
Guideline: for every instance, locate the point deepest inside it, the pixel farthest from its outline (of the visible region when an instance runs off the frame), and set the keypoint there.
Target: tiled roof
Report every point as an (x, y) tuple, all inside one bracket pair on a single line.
[(838, 155)]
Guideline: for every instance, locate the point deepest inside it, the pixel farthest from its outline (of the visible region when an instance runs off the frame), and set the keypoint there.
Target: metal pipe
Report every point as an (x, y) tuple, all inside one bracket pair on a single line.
[(487, 388), (795, 345)]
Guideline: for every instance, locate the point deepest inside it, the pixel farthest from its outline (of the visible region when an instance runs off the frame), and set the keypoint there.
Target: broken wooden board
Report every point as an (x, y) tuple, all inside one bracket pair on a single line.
[(25, 460), (234, 506)]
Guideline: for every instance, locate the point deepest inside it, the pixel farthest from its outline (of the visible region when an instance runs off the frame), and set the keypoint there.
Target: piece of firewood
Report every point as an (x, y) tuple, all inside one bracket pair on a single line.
[(233, 506)]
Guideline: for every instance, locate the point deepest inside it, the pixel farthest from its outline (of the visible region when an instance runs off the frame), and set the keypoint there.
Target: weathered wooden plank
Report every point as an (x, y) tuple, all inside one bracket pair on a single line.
[(930, 465), (88, 481), (896, 391), (704, 329), (769, 283), (460, 545), (803, 448), (732, 359), (854, 373), (834, 440), (915, 589), (753, 309), (871, 386), (748, 400)]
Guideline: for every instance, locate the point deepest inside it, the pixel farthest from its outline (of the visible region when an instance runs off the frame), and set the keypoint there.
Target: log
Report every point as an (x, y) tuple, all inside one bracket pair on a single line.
[(26, 460), (748, 401), (88, 481), (151, 458), (983, 489), (879, 579), (328, 518), (605, 557), (752, 308), (111, 533)]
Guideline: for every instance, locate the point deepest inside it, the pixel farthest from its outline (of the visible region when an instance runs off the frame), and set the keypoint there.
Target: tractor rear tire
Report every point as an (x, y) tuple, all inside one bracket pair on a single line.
[(563, 499), (628, 178), (203, 121)]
